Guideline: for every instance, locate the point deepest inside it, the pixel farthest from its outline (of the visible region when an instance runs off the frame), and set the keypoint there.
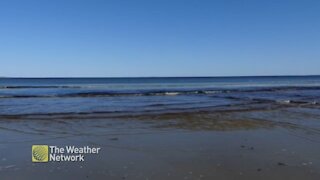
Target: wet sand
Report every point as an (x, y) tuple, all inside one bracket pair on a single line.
[(268, 143)]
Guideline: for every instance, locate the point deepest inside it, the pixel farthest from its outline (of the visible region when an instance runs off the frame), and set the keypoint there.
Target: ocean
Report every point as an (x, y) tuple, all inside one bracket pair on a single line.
[(127, 96), (163, 128)]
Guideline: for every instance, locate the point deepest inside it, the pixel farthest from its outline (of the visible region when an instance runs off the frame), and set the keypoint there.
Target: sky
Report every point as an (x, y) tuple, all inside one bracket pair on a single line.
[(134, 38)]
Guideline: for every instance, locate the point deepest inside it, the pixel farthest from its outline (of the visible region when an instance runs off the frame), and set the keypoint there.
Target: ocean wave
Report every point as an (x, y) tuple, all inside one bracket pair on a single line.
[(154, 92), (141, 111), (109, 94)]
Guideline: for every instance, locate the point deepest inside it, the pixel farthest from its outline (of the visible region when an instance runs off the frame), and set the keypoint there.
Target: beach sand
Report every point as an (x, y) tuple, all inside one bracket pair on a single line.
[(275, 143)]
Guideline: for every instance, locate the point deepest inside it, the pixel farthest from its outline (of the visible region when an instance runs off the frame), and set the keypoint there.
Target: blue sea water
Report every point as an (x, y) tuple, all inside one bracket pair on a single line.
[(21, 96)]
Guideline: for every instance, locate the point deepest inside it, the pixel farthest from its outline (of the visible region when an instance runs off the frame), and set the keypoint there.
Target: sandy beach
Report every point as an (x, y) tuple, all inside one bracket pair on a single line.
[(276, 143)]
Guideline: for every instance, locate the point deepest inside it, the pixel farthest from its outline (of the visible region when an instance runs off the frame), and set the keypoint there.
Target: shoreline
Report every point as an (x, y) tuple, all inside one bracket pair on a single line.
[(277, 145)]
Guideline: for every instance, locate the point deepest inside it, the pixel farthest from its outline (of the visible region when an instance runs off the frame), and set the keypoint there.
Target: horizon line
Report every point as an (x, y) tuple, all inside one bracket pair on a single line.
[(70, 77)]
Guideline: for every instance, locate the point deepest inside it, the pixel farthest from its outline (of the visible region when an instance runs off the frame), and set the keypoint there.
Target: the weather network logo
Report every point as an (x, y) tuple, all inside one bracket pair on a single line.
[(40, 153), (46, 153)]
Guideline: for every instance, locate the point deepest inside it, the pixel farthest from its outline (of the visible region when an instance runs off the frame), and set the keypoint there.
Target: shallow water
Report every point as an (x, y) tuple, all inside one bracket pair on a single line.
[(277, 144)]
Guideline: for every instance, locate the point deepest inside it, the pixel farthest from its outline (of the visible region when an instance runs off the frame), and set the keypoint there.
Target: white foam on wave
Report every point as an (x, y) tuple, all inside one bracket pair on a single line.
[(286, 101), (171, 93)]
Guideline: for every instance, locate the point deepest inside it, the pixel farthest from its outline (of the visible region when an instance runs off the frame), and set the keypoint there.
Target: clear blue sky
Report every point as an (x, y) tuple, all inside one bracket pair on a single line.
[(50, 38)]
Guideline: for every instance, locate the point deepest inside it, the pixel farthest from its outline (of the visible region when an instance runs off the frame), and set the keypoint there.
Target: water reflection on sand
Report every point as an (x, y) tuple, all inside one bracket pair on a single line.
[(260, 142)]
